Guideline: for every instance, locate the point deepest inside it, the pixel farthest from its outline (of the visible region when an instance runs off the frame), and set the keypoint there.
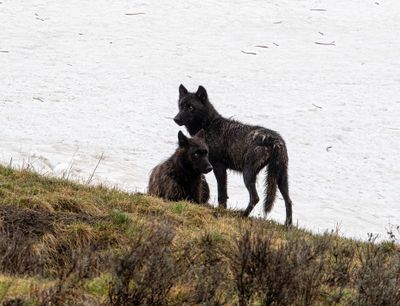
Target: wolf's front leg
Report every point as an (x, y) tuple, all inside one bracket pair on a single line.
[(249, 177), (204, 191), (220, 175)]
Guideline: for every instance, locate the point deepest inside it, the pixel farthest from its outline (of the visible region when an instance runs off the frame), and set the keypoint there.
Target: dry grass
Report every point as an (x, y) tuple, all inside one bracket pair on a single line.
[(63, 243)]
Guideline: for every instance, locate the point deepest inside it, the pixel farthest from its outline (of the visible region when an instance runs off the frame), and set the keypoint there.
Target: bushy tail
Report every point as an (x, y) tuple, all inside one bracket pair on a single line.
[(277, 167)]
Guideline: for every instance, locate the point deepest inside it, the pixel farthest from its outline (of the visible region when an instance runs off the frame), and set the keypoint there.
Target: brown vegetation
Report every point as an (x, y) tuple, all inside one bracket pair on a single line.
[(62, 243)]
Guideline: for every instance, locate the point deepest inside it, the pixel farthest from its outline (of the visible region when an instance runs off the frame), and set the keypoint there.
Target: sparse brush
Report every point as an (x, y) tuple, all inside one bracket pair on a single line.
[(340, 265), (145, 271), (208, 272), (377, 281), (275, 272), (17, 238), (67, 289)]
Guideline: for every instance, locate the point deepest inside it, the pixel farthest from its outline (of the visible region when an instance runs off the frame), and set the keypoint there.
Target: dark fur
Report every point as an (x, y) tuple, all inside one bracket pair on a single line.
[(181, 177), (237, 146)]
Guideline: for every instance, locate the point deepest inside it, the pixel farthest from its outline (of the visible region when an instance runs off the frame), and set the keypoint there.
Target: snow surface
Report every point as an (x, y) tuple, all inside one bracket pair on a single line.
[(84, 78)]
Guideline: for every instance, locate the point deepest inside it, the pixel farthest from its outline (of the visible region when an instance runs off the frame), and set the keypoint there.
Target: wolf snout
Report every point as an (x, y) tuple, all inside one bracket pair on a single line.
[(208, 169), (178, 120)]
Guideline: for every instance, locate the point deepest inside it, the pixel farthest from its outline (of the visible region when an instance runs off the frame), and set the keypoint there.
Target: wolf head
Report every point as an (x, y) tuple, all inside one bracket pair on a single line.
[(195, 110), (195, 152)]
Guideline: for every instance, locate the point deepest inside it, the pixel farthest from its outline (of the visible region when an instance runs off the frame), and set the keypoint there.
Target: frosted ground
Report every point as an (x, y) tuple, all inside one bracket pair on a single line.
[(81, 80)]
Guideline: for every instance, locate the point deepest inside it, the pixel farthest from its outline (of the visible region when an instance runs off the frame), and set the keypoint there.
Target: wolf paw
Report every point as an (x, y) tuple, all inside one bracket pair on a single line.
[(288, 223), (245, 213)]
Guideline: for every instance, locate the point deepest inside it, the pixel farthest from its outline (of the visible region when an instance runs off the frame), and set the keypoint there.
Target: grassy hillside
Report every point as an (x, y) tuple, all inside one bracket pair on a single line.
[(62, 243)]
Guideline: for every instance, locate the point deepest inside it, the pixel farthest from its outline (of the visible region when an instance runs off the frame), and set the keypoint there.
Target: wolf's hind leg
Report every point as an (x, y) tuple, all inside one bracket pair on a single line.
[(283, 186), (220, 175), (249, 177)]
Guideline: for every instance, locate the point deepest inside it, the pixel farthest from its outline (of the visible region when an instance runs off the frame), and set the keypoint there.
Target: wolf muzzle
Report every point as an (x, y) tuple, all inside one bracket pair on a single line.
[(208, 169), (178, 120)]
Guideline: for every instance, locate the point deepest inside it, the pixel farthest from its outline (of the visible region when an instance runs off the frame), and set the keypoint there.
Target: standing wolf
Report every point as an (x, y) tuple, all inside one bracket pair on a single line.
[(237, 146), (181, 177)]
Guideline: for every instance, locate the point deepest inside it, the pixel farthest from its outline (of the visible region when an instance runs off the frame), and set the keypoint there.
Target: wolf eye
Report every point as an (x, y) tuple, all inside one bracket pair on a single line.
[(191, 108), (196, 155)]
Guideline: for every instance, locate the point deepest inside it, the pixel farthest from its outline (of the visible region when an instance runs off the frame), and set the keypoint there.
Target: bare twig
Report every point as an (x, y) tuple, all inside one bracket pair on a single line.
[(328, 148), (94, 170), (321, 33), (38, 98), (251, 53), (4, 51), (276, 44), (68, 171), (325, 44), (133, 14), (318, 10), (277, 22), (38, 18), (261, 46), (316, 105)]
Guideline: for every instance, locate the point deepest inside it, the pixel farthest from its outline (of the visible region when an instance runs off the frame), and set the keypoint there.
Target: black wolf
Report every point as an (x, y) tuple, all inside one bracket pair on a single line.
[(237, 146), (181, 177)]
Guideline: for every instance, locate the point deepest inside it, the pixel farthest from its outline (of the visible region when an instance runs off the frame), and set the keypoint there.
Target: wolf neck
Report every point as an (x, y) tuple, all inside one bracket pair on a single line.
[(183, 167), (203, 123)]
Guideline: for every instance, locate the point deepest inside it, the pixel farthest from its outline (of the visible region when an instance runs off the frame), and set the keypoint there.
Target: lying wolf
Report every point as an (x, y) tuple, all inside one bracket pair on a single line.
[(237, 146), (181, 177)]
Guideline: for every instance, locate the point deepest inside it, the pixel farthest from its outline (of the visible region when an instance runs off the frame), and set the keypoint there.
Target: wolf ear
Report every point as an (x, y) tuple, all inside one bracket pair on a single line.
[(202, 93), (183, 140), (182, 91), (201, 134)]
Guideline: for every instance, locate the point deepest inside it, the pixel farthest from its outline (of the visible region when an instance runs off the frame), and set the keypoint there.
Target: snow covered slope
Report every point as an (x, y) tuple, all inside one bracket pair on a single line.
[(84, 78)]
